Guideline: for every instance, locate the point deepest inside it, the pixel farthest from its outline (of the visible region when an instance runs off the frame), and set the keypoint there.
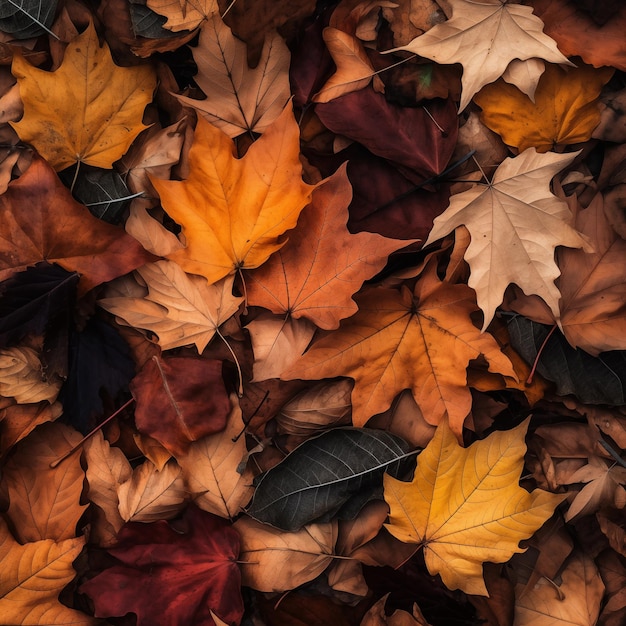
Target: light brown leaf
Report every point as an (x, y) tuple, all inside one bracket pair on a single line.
[(45, 501), (184, 14), (22, 377), (272, 560), (149, 232), (239, 99), (18, 420), (149, 495), (181, 309)]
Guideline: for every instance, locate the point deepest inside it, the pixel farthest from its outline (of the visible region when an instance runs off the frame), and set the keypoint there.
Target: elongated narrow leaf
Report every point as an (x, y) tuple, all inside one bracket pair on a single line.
[(334, 474)]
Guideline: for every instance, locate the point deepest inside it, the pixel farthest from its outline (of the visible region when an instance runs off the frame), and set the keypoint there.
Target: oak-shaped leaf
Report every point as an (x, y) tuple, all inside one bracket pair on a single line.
[(180, 400), (41, 221), (515, 223), (88, 111), (274, 561), (34, 299), (33, 576), (465, 506), (485, 37), (399, 340), (212, 472), (332, 475), (44, 501), (181, 309), (564, 111), (187, 570), (234, 212), (24, 19), (315, 274), (239, 99)]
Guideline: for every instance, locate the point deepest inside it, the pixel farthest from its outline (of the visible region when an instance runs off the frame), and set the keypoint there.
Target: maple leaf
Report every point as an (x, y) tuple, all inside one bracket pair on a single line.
[(33, 575), (180, 308), (515, 223), (41, 221), (238, 98), (184, 14), (89, 110), (485, 37), (565, 109), (273, 560), (397, 341), (211, 469), (185, 572), (465, 506), (180, 400), (44, 501), (316, 272), (233, 212)]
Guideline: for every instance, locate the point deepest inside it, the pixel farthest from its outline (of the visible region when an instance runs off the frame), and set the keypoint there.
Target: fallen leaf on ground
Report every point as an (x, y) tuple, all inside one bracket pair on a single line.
[(184, 14), (464, 506), (22, 377)]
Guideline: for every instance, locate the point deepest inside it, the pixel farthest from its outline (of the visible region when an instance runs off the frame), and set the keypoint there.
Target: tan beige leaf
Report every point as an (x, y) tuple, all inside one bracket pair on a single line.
[(272, 560), (152, 450), (211, 469), (277, 343), (184, 14), (181, 309), (574, 602), (33, 575), (239, 99), (22, 378), (150, 233), (107, 468), (149, 495), (45, 501), (524, 75)]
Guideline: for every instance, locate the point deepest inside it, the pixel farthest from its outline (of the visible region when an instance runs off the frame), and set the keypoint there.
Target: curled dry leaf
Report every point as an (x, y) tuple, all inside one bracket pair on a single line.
[(89, 110), (272, 560), (18, 420), (239, 99), (22, 377)]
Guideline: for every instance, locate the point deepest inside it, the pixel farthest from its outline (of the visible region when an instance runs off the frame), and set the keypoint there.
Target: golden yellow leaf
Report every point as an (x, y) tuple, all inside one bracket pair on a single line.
[(22, 378), (273, 560), (234, 212), (485, 37), (33, 575), (422, 342), (239, 99), (180, 308), (465, 505), (183, 14), (565, 110), (515, 222), (89, 110)]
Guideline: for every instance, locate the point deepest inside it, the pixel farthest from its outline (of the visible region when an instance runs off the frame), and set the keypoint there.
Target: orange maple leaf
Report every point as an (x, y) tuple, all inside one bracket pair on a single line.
[(398, 340)]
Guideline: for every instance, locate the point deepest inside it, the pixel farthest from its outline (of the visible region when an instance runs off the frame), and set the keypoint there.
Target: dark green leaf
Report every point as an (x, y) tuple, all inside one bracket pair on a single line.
[(334, 474), (147, 23), (27, 18)]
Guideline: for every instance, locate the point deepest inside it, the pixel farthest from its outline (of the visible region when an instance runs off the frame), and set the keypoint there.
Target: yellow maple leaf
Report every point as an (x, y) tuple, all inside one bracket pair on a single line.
[(89, 110), (465, 505), (233, 212), (565, 110)]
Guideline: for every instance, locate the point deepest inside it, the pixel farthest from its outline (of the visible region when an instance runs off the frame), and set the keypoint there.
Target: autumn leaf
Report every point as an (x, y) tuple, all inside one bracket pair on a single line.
[(239, 99), (316, 272), (273, 560), (565, 109), (485, 37), (44, 501), (18, 420), (464, 506), (184, 14), (180, 400), (42, 222), (233, 212), (22, 377), (34, 575), (185, 570), (515, 223), (180, 308), (422, 342), (89, 110)]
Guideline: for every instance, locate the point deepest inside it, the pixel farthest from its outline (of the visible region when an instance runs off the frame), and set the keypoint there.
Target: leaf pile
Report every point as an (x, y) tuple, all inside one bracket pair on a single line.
[(312, 313)]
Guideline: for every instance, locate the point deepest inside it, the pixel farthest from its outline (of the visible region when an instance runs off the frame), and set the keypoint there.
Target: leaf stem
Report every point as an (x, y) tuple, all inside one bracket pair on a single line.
[(75, 177), (529, 380), (240, 375)]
